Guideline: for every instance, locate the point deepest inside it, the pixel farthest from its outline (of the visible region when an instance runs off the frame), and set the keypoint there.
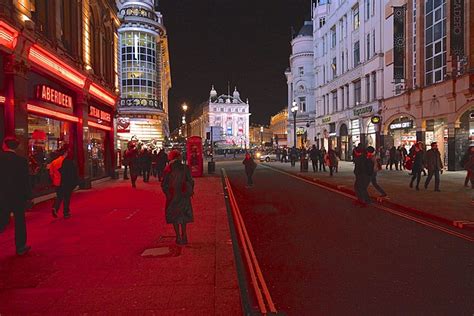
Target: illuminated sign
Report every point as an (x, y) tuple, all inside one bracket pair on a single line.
[(99, 114), (364, 110), (54, 114), (401, 125), (99, 126), (101, 94), (8, 35), (326, 119), (2, 99), (375, 119), (300, 131), (48, 94)]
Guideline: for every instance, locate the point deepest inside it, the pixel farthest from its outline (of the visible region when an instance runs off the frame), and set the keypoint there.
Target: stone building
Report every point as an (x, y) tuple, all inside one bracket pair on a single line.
[(279, 127)]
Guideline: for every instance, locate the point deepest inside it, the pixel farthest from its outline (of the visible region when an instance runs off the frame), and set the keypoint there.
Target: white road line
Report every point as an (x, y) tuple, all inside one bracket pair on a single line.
[(384, 208)]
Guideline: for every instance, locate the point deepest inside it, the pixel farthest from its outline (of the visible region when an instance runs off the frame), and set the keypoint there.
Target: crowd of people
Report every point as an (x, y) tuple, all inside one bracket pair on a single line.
[(143, 162)]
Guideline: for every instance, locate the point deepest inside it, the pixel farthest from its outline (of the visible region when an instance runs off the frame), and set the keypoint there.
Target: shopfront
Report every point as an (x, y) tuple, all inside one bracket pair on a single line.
[(344, 142), (371, 136), (437, 131), (355, 133), (99, 139), (401, 132)]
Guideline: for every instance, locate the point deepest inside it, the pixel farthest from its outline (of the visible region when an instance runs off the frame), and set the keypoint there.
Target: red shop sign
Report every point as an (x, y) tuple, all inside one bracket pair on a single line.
[(99, 114), (48, 94)]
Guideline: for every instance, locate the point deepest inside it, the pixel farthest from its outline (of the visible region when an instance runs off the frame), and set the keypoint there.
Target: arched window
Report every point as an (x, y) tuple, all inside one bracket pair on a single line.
[(42, 16), (93, 41)]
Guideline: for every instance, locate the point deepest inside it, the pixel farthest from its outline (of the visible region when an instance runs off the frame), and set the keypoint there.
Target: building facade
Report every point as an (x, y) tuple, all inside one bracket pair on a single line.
[(58, 84), (279, 127), (300, 80), (260, 135), (228, 117), (145, 76), (429, 86), (349, 72)]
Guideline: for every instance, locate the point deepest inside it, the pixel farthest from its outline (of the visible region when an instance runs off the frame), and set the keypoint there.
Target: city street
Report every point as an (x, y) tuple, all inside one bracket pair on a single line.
[(320, 255)]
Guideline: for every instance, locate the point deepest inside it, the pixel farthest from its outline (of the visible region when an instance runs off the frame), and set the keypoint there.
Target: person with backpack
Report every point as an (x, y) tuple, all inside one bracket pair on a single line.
[(250, 167), (376, 161), (178, 186)]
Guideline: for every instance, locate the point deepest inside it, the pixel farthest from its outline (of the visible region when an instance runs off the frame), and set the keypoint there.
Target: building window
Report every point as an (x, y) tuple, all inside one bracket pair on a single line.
[(324, 105), (341, 29), (357, 92), (367, 9), (373, 7), (66, 16), (42, 17), (435, 39), (367, 87), (333, 36), (301, 71), (367, 50), (342, 63), (322, 21), (324, 74), (373, 42), (347, 95), (334, 101), (356, 54), (374, 86), (355, 17), (334, 68), (302, 104)]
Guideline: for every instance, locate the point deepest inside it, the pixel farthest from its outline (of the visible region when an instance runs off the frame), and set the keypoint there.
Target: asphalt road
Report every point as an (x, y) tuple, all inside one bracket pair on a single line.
[(320, 255)]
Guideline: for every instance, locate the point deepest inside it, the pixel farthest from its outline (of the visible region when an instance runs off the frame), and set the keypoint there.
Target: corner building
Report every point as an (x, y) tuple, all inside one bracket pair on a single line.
[(349, 73), (433, 100), (58, 84), (145, 76)]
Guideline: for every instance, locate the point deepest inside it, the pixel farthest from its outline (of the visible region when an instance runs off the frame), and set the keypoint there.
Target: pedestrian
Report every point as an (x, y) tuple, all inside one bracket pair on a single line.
[(417, 158), (178, 186), (133, 162), (331, 161), (125, 165), (363, 170), (154, 163), (250, 167), (284, 155), (63, 172), (434, 165), (338, 157), (161, 163), (465, 159), (322, 154), (382, 154), (314, 156), (376, 162), (293, 156), (278, 154), (146, 161), (393, 158), (469, 166), (15, 192)]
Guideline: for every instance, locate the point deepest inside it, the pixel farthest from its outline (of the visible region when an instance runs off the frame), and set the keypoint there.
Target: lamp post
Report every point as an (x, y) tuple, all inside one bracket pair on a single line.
[(183, 121), (294, 110), (261, 136)]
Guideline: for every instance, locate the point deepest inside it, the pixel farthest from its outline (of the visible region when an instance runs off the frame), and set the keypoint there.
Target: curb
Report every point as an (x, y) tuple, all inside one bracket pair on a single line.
[(387, 203)]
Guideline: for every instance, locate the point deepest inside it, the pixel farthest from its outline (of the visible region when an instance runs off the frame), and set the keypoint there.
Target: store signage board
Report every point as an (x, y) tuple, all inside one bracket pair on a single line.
[(300, 131), (401, 125), (51, 95), (326, 119), (364, 110), (375, 119), (99, 114), (123, 125)]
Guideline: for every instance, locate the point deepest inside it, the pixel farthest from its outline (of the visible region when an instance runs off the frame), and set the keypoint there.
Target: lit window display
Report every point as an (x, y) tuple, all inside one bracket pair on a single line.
[(96, 151), (45, 137)]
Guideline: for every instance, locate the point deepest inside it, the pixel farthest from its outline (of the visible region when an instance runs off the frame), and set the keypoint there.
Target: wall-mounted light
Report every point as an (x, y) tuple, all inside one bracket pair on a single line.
[(101, 94), (50, 113), (8, 35), (99, 126)]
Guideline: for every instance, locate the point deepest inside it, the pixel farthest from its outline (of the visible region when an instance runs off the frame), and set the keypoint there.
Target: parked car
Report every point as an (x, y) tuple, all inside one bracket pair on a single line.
[(267, 157)]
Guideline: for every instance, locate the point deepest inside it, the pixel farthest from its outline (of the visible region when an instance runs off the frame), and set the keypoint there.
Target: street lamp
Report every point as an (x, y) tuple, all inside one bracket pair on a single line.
[(294, 110), (261, 135), (183, 120)]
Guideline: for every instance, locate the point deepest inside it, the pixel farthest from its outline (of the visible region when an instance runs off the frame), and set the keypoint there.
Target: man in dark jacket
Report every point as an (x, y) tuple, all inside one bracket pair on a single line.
[(250, 167), (161, 163), (314, 156), (15, 191), (434, 165), (133, 162), (363, 172)]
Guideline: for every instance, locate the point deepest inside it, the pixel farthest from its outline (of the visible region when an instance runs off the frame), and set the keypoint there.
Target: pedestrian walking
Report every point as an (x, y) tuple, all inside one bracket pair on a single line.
[(393, 158), (376, 162), (434, 164), (154, 163), (469, 166), (161, 163), (133, 161), (416, 158), (63, 172), (146, 161), (15, 191), (331, 161), (293, 156), (322, 154), (250, 167), (363, 170), (284, 155), (125, 165), (465, 159), (178, 186), (314, 156), (382, 154)]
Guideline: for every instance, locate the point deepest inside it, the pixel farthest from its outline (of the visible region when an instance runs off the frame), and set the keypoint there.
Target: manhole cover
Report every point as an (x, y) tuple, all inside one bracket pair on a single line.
[(155, 252)]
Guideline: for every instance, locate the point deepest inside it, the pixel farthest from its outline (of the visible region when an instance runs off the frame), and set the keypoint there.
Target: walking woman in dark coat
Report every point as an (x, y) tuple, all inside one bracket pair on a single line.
[(250, 166), (417, 159), (178, 186)]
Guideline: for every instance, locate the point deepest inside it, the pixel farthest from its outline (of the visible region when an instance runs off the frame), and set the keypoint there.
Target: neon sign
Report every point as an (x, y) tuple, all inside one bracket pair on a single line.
[(48, 94), (101, 94), (8, 35), (99, 114), (59, 115), (99, 126)]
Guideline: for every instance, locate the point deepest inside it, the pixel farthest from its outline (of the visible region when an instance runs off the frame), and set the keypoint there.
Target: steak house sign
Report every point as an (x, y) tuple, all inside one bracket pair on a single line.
[(48, 94)]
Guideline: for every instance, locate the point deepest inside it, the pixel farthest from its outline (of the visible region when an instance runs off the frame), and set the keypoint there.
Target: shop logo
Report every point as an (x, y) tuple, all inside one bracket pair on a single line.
[(364, 110), (99, 114), (48, 94), (375, 119), (401, 125), (326, 119)]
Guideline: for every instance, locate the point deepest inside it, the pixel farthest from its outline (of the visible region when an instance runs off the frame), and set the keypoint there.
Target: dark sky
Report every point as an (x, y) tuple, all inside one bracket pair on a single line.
[(246, 42)]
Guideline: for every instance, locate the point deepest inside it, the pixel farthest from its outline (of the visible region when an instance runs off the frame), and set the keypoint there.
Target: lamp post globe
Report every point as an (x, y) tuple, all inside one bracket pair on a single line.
[(294, 110)]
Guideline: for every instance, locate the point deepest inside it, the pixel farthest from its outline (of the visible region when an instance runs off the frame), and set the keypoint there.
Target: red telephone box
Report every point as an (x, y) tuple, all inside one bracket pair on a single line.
[(194, 155)]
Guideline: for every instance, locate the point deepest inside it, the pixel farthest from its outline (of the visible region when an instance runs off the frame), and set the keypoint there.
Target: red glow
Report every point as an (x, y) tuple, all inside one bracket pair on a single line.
[(102, 94), (99, 126), (54, 114), (8, 35), (2, 99), (55, 66)]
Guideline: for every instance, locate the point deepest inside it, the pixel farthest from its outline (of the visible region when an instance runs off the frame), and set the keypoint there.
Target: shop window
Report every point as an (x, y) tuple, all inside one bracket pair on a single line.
[(357, 92), (96, 152), (45, 137), (356, 54), (42, 17), (435, 41), (355, 17)]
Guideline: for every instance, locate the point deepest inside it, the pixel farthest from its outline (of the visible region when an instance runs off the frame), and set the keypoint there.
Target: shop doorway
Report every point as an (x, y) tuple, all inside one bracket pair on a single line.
[(437, 131), (401, 132), (344, 142)]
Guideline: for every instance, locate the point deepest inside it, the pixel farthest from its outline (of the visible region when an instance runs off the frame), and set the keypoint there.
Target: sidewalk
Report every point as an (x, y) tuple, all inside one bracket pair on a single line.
[(452, 203), (116, 254)]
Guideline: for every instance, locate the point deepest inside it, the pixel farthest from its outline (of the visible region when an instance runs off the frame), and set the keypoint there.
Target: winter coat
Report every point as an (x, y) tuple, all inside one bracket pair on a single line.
[(331, 158), (363, 166), (54, 172), (250, 166), (433, 160), (314, 154), (417, 157), (469, 166), (131, 156), (14, 180), (178, 186), (69, 177), (162, 160)]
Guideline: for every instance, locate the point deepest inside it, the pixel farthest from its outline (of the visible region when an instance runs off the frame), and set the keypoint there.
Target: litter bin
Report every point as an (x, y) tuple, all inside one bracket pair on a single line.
[(211, 167), (304, 165)]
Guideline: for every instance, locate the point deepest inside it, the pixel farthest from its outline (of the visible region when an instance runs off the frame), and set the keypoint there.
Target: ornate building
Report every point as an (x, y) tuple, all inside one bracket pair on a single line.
[(145, 76), (58, 83), (279, 127), (228, 116)]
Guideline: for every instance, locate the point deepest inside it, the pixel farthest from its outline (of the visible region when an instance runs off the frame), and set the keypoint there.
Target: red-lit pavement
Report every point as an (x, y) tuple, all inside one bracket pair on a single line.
[(93, 262), (320, 255)]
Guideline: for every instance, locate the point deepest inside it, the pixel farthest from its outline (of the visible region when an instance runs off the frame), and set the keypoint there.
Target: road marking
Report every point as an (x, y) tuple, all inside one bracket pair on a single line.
[(384, 208), (133, 214)]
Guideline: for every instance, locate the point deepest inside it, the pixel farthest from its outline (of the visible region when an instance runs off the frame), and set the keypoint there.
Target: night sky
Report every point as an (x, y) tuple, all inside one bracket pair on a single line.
[(246, 42)]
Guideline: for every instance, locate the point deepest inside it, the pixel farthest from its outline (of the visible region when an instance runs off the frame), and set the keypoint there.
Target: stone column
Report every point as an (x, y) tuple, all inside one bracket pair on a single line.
[(351, 101), (453, 161), (340, 96), (379, 85), (81, 110), (364, 98)]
